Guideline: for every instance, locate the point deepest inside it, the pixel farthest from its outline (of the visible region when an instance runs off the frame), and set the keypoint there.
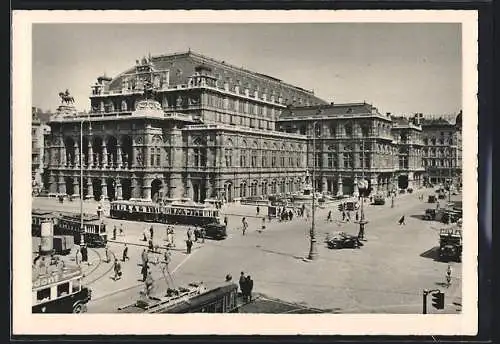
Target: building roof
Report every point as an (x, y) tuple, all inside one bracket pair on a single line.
[(182, 66), (346, 109), (427, 122)]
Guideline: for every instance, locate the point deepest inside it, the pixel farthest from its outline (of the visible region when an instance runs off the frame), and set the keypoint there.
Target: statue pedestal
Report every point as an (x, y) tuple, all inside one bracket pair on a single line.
[(64, 110)]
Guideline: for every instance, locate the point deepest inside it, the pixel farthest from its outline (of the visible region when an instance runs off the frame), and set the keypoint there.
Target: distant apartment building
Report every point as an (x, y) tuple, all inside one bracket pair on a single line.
[(38, 131), (442, 150)]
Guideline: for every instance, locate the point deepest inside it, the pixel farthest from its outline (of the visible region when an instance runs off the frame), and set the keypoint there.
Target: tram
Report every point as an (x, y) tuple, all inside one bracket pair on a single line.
[(222, 299), (175, 213), (69, 224), (58, 290)]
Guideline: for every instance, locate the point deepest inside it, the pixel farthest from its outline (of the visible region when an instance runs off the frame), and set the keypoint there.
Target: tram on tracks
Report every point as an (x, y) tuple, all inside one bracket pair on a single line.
[(174, 213), (69, 224), (58, 289), (222, 299)]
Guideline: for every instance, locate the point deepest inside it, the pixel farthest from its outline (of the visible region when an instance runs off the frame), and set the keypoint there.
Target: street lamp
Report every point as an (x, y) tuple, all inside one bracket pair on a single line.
[(362, 222), (82, 232), (313, 249)]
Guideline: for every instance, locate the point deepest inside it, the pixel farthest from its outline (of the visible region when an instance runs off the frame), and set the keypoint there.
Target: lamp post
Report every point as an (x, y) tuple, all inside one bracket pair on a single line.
[(313, 249), (82, 232), (362, 222)]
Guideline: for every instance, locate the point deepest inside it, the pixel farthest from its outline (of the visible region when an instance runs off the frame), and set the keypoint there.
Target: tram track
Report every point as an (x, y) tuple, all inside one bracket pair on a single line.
[(97, 266)]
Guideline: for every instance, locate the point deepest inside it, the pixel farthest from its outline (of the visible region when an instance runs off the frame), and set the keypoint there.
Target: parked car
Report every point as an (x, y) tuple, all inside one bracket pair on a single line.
[(430, 214), (379, 199), (340, 240), (431, 199)]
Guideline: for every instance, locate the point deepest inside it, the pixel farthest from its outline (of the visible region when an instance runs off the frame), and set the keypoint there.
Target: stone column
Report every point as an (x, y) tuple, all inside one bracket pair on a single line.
[(90, 154), (90, 189), (136, 187), (340, 187), (208, 187), (62, 185), (146, 188), (76, 187), (355, 188), (119, 156), (176, 189), (118, 189), (52, 183), (63, 156), (104, 155), (77, 155), (104, 189)]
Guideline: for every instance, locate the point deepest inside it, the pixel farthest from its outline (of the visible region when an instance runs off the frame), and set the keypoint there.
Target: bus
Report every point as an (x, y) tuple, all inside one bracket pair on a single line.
[(59, 290)]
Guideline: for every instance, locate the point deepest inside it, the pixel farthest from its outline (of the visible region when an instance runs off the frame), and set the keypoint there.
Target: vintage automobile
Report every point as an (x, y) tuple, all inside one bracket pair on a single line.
[(431, 199), (450, 244), (351, 205), (379, 199), (215, 231), (430, 214), (340, 240)]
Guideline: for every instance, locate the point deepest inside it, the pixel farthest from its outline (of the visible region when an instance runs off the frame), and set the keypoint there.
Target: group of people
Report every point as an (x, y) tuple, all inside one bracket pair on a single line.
[(246, 287)]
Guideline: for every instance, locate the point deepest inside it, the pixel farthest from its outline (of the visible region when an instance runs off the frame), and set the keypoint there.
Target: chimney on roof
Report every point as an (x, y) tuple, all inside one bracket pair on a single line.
[(388, 114)]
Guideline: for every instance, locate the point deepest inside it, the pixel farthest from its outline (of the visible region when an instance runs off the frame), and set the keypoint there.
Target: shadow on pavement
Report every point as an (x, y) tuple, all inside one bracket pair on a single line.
[(433, 253), (419, 217), (283, 254)]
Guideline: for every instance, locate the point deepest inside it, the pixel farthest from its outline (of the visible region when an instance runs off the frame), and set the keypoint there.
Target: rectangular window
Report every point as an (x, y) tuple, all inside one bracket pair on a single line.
[(158, 156), (152, 156), (348, 160), (319, 160), (62, 289), (229, 157), (243, 159), (273, 160), (264, 159), (43, 295)]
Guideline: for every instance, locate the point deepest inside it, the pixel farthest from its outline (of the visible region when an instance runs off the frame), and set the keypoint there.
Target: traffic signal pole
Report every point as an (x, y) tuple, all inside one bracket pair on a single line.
[(435, 304)]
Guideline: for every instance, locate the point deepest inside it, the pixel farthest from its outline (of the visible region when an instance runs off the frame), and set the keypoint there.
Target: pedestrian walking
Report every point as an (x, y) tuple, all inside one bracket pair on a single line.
[(203, 233), (437, 205), (117, 269), (343, 216), (189, 234), (85, 257), (242, 282), (189, 245), (122, 233), (249, 287), (348, 216), (245, 225), (145, 234), (150, 245), (149, 283), (258, 210), (357, 216), (290, 215), (263, 222), (448, 276), (106, 254), (402, 220), (144, 257), (114, 232), (144, 272), (225, 221), (125, 253), (151, 232), (78, 257), (329, 217)]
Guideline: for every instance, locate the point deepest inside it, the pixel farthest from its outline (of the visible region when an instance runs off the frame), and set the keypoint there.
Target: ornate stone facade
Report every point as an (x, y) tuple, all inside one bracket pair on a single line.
[(185, 125)]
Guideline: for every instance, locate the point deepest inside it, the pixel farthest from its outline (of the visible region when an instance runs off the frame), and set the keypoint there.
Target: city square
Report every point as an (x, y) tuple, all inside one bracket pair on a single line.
[(186, 182), (387, 274)]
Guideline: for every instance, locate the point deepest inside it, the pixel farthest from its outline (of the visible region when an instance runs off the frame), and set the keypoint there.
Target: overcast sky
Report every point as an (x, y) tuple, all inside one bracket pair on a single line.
[(399, 68)]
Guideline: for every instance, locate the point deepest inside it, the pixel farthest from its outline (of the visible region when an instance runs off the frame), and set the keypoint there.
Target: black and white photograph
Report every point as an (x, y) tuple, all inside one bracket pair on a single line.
[(322, 168)]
